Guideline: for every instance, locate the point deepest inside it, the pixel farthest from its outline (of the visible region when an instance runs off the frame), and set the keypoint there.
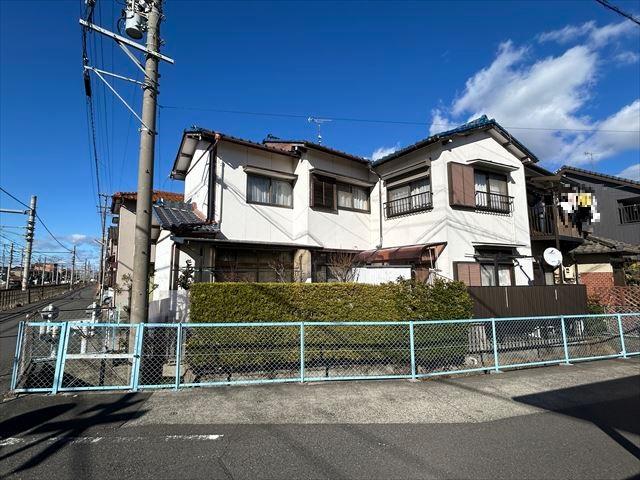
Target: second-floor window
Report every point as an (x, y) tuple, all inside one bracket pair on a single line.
[(491, 192), (323, 192), (269, 191), (629, 210), (353, 197), (409, 198)]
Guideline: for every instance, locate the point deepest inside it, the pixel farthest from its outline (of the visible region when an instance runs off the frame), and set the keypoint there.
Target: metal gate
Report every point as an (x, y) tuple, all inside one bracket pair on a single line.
[(74, 356)]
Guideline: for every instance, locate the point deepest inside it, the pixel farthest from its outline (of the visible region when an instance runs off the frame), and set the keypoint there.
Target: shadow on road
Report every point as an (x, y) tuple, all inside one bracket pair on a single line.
[(47, 426), (617, 413)]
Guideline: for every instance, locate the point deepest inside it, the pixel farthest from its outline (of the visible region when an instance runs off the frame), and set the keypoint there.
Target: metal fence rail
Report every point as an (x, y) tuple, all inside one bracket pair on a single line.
[(83, 355)]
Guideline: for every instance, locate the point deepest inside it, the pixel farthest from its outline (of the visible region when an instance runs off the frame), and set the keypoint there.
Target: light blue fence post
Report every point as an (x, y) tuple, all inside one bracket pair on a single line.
[(495, 346), (61, 355), (564, 341), (302, 352), (16, 358), (137, 353), (413, 351), (622, 344), (178, 354)]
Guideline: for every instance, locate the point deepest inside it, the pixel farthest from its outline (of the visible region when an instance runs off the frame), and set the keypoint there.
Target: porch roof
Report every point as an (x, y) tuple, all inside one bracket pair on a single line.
[(421, 253), (180, 217)]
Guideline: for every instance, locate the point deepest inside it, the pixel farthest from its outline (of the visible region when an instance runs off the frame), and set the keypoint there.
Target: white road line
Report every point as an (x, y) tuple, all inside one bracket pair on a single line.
[(9, 441)]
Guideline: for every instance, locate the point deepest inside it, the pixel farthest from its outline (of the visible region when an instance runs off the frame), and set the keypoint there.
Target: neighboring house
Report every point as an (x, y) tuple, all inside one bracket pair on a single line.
[(551, 225), (618, 202), (121, 244), (454, 205), (599, 262)]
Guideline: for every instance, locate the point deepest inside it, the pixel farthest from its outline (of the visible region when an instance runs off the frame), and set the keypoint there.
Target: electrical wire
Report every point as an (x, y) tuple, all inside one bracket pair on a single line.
[(393, 122), (611, 6), (38, 217)]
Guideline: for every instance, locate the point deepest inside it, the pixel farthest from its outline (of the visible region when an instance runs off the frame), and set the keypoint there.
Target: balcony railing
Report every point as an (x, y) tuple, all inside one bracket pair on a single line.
[(493, 202), (542, 223), (410, 204), (629, 213)]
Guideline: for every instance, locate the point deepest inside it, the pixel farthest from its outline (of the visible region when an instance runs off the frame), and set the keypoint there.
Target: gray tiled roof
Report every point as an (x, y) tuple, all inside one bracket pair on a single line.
[(598, 245), (180, 217)]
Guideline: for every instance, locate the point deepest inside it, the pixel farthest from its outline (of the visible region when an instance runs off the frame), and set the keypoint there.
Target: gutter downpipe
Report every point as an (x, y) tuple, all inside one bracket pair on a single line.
[(379, 206)]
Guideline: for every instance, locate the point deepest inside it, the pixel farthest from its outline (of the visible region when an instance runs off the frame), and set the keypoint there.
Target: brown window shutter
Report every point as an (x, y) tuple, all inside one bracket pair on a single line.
[(461, 185), (468, 273)]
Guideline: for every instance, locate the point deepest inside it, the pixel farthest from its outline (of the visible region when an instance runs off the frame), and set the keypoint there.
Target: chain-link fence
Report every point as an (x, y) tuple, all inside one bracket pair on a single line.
[(89, 355)]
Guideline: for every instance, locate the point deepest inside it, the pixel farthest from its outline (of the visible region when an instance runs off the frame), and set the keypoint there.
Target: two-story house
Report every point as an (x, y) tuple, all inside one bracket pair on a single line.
[(453, 205)]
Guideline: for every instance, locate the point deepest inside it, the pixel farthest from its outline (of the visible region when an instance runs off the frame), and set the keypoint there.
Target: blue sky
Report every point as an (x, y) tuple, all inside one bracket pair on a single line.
[(563, 77)]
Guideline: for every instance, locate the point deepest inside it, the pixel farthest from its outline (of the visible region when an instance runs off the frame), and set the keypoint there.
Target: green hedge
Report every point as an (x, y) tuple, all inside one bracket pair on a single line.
[(234, 349), (296, 302)]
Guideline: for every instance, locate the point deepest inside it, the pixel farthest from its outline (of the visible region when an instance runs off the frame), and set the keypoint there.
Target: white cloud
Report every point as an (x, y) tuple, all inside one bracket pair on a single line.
[(632, 172), (627, 57), (548, 96), (378, 153), (566, 34), (597, 36)]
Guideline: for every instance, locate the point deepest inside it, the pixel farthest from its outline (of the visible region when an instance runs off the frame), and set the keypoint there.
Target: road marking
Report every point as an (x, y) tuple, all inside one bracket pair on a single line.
[(9, 441)]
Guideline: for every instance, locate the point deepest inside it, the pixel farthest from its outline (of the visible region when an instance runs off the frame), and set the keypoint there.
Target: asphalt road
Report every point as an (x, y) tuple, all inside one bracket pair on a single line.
[(590, 428), (9, 320)]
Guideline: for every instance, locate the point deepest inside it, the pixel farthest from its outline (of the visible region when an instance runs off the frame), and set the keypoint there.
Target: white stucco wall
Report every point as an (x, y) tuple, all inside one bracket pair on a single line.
[(460, 228), (304, 226)]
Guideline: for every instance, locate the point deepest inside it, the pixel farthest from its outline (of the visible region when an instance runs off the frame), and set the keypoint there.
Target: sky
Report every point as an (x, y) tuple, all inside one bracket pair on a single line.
[(562, 76)]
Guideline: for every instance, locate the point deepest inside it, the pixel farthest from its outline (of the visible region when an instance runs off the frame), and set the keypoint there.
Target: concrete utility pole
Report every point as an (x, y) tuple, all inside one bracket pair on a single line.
[(31, 226), (9, 267), (103, 213), (73, 267), (142, 258)]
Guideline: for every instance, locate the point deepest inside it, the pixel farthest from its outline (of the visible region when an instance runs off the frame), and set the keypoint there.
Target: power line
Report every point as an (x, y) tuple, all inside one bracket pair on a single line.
[(611, 6), (38, 217), (394, 122)]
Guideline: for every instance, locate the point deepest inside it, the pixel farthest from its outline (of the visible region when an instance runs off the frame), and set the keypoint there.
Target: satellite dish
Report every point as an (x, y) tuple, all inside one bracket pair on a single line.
[(553, 257)]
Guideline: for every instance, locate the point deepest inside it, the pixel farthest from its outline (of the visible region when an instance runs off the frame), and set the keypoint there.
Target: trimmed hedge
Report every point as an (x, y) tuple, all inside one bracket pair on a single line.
[(248, 349), (328, 302)]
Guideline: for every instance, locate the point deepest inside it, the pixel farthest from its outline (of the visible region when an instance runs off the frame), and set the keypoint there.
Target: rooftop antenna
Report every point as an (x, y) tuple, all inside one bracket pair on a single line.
[(590, 155), (318, 122)]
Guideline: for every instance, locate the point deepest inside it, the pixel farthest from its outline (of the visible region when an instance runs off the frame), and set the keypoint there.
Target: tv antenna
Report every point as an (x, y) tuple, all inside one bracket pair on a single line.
[(590, 155), (318, 122)]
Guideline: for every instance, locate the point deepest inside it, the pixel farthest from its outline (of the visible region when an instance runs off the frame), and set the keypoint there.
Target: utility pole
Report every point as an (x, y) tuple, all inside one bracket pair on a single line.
[(31, 226), (103, 213), (9, 267), (73, 267), (142, 258)]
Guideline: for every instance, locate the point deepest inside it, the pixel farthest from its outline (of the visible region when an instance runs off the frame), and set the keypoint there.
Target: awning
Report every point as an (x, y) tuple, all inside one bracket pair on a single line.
[(410, 254)]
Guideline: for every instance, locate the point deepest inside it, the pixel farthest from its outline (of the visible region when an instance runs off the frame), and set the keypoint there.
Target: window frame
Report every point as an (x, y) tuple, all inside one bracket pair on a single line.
[(351, 187), (271, 180), (312, 190), (631, 203), (487, 180), (409, 184)]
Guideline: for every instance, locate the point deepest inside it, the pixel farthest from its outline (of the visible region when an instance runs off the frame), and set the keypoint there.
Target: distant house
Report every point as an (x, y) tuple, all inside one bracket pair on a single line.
[(120, 242), (618, 203)]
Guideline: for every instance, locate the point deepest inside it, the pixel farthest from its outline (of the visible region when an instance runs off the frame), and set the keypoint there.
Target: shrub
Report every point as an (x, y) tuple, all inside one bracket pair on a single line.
[(231, 348)]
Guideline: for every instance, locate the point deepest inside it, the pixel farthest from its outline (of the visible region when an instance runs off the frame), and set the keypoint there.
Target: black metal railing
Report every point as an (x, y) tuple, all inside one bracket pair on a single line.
[(629, 213), (493, 202), (410, 204)]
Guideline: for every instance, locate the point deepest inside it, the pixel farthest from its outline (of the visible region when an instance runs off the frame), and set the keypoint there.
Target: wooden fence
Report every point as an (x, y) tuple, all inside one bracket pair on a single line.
[(527, 301)]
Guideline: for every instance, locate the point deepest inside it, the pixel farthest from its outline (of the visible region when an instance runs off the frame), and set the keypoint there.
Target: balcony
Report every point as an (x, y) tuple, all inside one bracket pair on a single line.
[(493, 202), (543, 226), (406, 205), (629, 213)]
